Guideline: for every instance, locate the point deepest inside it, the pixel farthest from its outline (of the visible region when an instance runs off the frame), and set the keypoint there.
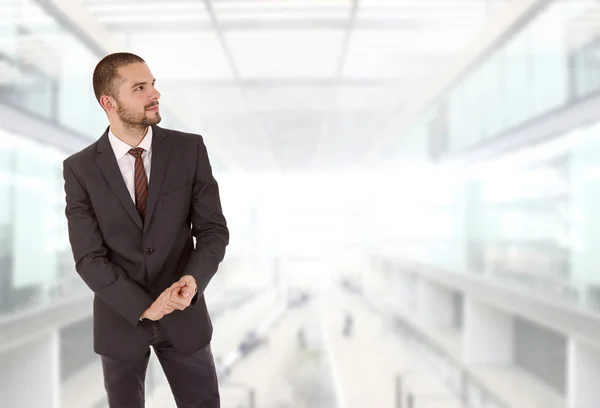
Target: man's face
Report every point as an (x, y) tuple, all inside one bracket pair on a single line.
[(137, 103)]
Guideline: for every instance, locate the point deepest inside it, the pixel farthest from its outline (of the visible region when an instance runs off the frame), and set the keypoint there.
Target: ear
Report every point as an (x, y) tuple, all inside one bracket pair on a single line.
[(108, 103)]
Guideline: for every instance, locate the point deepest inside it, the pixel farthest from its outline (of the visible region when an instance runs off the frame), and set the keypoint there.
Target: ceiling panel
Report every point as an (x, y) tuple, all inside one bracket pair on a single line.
[(251, 6), (197, 101), (259, 78), (285, 54), (381, 98), (183, 56), (286, 98), (149, 12), (140, 7)]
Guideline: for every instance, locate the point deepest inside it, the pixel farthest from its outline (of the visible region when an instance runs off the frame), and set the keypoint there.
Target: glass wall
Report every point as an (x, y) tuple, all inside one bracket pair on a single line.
[(47, 69), (586, 64), (529, 219), (521, 225), (36, 261), (533, 218), (549, 63), (524, 78)]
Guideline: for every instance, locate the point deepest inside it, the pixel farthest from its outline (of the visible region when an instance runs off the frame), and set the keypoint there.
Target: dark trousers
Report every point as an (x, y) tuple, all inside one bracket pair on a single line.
[(192, 378)]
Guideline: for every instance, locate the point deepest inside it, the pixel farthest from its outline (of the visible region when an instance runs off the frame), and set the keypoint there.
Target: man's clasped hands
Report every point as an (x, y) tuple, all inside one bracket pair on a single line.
[(176, 297)]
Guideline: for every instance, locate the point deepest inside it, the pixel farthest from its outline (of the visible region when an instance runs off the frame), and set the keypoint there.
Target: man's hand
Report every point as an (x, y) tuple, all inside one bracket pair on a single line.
[(181, 296), (160, 307)]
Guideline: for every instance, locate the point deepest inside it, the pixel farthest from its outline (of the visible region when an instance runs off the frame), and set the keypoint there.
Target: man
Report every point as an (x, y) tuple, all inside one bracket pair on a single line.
[(134, 201)]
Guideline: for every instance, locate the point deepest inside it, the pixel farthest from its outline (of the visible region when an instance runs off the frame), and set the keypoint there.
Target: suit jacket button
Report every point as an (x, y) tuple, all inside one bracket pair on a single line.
[(149, 251)]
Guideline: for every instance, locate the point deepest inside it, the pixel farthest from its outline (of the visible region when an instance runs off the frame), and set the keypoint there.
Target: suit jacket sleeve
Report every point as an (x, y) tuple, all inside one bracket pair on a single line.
[(107, 280), (208, 224)]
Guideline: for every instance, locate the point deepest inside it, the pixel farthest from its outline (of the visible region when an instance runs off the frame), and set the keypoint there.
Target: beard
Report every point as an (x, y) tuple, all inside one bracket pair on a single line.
[(137, 120)]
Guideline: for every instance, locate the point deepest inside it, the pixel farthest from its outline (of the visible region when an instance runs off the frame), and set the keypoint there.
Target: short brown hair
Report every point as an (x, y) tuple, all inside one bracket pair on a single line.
[(106, 73)]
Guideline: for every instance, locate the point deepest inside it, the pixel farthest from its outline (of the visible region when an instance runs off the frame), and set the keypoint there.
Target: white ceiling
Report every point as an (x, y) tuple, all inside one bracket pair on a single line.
[(296, 84)]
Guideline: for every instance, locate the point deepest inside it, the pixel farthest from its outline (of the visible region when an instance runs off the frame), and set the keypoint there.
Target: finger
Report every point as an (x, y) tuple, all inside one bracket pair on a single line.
[(190, 283), (177, 284), (175, 294), (167, 309), (165, 304), (170, 289), (175, 302), (175, 306), (187, 291), (170, 297), (166, 293), (182, 295), (184, 283), (171, 308), (176, 298)]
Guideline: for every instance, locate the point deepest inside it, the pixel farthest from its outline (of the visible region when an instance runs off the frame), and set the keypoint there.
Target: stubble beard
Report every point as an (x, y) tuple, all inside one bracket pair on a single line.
[(136, 121)]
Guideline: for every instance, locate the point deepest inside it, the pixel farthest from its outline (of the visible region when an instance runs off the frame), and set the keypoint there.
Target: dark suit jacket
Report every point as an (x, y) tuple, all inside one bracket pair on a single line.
[(127, 262)]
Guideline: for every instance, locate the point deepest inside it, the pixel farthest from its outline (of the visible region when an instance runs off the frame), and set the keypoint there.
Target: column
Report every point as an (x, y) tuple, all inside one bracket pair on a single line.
[(583, 374), (30, 376), (584, 220), (488, 334), (434, 304), (406, 290)]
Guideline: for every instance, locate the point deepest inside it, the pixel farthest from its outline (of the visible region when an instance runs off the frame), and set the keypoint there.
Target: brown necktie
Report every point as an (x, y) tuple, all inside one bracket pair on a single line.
[(141, 182)]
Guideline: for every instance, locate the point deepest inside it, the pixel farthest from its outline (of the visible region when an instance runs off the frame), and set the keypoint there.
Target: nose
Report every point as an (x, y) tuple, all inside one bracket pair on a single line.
[(155, 95)]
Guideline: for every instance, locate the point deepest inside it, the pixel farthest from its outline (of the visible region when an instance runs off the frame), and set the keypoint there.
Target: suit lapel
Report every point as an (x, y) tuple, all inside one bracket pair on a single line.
[(161, 149), (105, 159)]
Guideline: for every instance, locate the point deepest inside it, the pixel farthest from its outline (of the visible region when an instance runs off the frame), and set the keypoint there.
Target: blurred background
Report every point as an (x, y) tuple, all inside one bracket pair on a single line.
[(411, 188)]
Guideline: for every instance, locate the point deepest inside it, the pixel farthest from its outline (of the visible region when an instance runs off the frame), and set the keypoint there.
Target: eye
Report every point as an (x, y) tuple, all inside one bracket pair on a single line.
[(139, 88)]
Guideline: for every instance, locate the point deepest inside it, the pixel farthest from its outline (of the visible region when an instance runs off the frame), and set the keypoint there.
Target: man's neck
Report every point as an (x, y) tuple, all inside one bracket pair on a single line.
[(132, 135)]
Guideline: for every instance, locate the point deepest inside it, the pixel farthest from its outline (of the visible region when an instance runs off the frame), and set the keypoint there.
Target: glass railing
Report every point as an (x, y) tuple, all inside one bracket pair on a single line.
[(549, 63), (36, 264), (472, 392), (460, 381), (45, 69), (27, 87), (527, 219)]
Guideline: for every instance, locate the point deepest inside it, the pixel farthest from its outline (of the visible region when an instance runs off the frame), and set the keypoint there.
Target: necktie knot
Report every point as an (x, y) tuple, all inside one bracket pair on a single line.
[(137, 152)]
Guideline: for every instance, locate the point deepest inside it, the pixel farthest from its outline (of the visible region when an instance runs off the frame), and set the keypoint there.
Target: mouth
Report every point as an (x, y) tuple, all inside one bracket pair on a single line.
[(153, 108)]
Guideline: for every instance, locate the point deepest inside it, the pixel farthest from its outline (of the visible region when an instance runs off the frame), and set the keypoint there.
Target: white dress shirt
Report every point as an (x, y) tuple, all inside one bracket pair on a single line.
[(126, 161)]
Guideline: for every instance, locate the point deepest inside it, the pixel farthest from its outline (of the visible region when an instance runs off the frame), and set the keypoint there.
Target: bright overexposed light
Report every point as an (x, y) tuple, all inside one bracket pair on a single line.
[(278, 15), (182, 56), (283, 53), (249, 6), (148, 7), (180, 16), (530, 156)]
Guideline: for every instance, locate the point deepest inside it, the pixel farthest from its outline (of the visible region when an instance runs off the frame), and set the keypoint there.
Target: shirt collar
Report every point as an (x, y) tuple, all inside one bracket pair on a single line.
[(121, 148)]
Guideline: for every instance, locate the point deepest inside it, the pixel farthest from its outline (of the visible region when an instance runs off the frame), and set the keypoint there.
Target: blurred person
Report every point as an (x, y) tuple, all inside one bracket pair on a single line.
[(348, 325), (135, 199), (301, 337)]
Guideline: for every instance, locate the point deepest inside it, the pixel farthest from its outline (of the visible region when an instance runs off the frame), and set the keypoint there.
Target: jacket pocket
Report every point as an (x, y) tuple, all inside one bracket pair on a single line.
[(173, 192)]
